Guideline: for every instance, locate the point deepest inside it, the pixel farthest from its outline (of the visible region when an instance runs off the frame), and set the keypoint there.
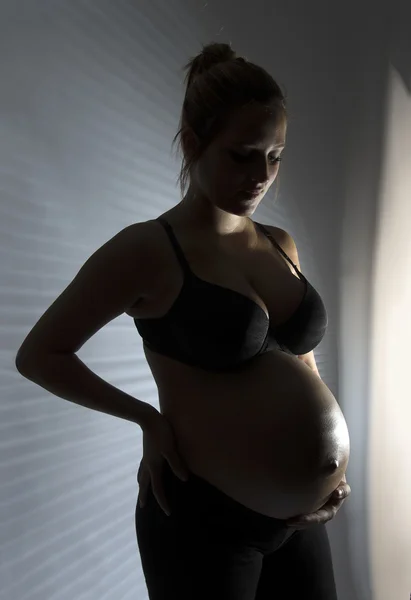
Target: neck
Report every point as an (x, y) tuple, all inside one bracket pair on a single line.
[(200, 213)]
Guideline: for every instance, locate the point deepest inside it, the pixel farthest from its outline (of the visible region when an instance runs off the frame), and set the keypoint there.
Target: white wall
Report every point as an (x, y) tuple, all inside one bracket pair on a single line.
[(90, 100), (378, 44), (390, 414)]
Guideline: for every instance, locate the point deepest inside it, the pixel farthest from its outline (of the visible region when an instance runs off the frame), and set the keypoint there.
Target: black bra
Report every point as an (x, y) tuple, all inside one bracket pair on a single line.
[(217, 329)]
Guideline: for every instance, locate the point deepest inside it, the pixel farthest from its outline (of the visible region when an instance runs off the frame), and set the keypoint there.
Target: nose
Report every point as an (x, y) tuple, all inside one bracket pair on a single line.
[(261, 173)]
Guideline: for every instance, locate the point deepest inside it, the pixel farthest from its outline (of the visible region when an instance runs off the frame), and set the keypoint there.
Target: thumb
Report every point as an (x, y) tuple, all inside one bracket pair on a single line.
[(178, 466), (342, 492)]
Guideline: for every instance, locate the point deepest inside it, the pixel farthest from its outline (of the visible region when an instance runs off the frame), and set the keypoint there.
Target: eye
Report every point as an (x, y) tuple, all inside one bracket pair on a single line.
[(239, 157), (275, 159)]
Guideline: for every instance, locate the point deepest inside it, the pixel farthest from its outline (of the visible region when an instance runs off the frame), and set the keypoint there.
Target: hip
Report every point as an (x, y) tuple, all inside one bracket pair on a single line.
[(201, 507)]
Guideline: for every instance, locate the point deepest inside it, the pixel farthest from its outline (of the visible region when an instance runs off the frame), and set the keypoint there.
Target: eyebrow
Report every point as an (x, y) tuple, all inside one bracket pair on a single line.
[(254, 146)]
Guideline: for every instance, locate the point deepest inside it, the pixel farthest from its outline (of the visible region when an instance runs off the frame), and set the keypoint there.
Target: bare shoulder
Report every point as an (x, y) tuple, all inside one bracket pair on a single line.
[(286, 241), (111, 280), (126, 262)]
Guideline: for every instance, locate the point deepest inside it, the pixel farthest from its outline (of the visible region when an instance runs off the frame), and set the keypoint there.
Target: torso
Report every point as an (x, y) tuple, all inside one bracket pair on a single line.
[(268, 434)]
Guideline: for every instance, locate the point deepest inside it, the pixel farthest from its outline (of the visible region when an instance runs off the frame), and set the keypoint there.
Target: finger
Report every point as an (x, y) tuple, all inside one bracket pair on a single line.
[(323, 515), (342, 491), (335, 501), (144, 486), (178, 466), (142, 474), (304, 522), (320, 516), (158, 491), (140, 470), (141, 499), (334, 504)]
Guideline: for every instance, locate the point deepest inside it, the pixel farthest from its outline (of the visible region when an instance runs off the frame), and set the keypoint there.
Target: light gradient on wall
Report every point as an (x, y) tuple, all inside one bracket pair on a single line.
[(389, 485)]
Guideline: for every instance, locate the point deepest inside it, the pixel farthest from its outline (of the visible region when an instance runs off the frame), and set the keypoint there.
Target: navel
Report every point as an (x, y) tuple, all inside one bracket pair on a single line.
[(332, 465)]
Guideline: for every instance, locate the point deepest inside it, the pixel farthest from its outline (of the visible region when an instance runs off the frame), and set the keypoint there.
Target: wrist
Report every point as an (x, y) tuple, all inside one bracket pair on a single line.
[(145, 416)]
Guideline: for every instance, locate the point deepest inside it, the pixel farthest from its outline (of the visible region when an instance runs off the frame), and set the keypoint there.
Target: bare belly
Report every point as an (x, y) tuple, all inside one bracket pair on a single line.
[(271, 436)]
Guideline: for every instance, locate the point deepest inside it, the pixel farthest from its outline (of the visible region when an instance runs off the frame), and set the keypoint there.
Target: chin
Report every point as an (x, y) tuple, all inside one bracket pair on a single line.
[(242, 209), (246, 211)]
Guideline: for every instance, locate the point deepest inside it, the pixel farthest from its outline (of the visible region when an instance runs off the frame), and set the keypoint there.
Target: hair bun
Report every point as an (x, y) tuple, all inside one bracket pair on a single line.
[(211, 55)]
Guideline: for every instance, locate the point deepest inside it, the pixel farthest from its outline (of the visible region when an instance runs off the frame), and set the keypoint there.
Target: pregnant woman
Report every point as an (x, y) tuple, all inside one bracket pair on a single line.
[(245, 461)]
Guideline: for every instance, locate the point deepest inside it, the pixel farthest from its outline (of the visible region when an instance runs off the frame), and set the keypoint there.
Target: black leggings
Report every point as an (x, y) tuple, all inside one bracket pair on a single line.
[(214, 548)]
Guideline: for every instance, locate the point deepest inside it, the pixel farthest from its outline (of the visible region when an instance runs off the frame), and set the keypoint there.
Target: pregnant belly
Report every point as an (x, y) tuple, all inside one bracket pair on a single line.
[(271, 436)]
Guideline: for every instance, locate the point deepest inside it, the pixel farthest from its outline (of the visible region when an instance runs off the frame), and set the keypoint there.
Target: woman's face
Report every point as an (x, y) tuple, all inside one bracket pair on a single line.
[(243, 157)]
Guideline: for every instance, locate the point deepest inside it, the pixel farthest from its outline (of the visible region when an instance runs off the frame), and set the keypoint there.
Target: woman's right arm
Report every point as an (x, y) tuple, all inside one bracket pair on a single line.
[(109, 283)]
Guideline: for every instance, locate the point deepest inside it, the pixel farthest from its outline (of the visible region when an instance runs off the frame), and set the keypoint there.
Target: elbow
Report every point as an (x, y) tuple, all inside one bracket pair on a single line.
[(34, 362), (26, 363), (21, 364), (18, 361)]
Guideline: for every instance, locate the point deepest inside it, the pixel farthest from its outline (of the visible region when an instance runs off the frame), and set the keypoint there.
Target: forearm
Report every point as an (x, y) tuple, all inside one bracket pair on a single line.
[(66, 376)]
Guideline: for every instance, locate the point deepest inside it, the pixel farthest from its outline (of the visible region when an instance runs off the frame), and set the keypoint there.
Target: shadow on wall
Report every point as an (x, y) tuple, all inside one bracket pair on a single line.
[(400, 56)]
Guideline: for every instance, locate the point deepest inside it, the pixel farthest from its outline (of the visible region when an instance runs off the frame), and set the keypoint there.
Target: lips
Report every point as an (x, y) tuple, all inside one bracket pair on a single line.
[(254, 192)]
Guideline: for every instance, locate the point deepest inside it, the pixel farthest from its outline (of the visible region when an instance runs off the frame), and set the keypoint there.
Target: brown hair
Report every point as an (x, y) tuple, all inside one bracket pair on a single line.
[(218, 81)]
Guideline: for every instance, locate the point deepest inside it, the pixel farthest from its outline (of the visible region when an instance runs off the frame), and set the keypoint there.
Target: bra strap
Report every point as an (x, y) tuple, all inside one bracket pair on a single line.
[(177, 248), (277, 245)]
